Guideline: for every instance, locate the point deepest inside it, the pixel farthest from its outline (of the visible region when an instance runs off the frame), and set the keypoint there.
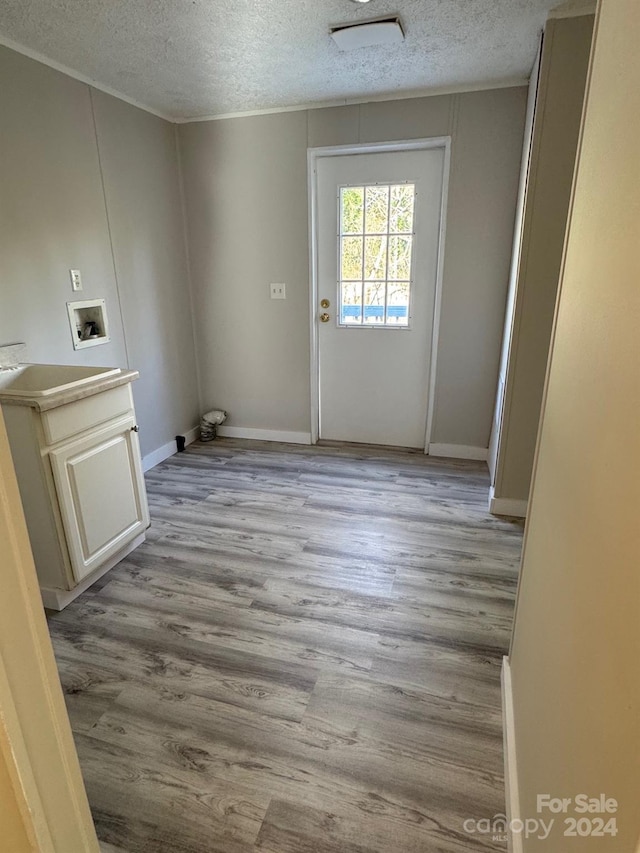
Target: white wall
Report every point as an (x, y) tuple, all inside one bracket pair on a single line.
[(89, 182), (246, 192), (576, 645)]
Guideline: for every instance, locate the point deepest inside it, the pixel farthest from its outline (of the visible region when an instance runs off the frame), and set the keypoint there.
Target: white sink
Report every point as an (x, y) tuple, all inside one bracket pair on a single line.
[(40, 380)]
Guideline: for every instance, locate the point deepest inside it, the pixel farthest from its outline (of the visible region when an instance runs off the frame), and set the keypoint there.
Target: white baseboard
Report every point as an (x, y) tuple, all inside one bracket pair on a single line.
[(265, 434), (459, 451), (157, 456), (507, 506), (192, 435), (512, 793), (57, 599)]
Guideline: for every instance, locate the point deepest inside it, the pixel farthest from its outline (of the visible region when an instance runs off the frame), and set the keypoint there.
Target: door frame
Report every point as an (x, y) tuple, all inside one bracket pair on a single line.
[(36, 743), (313, 155)]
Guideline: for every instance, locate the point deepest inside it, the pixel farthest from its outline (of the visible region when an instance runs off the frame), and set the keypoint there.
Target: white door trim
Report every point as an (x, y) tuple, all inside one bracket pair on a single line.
[(313, 155), (512, 790), (35, 735)]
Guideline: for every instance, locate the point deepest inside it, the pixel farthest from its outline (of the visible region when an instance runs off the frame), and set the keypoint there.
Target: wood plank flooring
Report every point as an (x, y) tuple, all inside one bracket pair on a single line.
[(304, 657)]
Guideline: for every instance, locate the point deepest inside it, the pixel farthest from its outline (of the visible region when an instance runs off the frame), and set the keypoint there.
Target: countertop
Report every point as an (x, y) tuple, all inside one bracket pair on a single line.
[(70, 395)]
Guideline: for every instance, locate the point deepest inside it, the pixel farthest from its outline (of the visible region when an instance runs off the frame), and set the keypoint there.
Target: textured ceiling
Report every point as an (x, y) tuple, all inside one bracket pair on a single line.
[(189, 58)]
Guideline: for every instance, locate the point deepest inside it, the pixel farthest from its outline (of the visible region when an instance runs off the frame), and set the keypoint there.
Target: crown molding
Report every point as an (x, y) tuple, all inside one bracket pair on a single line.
[(424, 92), (365, 99)]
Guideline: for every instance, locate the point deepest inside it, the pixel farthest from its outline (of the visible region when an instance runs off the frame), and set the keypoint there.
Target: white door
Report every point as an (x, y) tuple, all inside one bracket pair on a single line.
[(378, 227), (101, 492)]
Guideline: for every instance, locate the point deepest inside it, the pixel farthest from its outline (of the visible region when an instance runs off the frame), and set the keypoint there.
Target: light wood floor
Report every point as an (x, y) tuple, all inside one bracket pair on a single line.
[(304, 657)]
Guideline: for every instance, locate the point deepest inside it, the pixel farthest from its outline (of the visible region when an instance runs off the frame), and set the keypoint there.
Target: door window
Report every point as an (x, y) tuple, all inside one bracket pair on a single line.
[(375, 250)]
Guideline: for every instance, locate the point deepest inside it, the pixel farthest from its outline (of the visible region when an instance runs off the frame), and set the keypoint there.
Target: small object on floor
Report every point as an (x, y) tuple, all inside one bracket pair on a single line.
[(210, 423), (180, 442)]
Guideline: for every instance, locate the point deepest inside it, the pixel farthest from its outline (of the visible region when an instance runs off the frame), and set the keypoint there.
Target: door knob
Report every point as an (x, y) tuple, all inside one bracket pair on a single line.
[(324, 318), (324, 303), (135, 428)]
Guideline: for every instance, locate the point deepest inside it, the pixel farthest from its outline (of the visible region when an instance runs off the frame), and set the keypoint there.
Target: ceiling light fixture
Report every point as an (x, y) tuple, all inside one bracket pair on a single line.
[(360, 1), (381, 31)]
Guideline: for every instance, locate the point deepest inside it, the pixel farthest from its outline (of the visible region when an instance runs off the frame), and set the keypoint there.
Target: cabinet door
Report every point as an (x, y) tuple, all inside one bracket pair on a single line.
[(101, 493)]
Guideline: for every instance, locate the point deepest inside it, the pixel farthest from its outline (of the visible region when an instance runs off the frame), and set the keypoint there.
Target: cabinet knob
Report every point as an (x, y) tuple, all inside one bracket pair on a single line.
[(135, 428)]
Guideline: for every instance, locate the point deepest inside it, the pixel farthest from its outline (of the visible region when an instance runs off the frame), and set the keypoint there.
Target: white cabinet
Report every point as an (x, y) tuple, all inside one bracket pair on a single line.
[(82, 487), (99, 482)]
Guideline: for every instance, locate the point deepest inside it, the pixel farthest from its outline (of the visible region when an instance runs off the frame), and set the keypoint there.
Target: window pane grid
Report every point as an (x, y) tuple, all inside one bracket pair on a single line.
[(376, 242), (377, 234), (385, 318)]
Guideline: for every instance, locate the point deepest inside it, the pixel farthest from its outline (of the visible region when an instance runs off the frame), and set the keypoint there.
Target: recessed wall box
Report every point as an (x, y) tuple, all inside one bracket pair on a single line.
[(89, 324)]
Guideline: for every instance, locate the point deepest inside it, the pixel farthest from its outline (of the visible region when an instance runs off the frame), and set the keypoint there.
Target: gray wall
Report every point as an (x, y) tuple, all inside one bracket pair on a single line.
[(56, 214), (246, 191), (91, 182), (142, 188), (245, 182), (563, 74)]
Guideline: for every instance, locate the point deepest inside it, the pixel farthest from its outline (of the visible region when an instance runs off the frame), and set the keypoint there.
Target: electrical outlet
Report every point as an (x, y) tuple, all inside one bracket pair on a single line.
[(76, 281), (278, 291)]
